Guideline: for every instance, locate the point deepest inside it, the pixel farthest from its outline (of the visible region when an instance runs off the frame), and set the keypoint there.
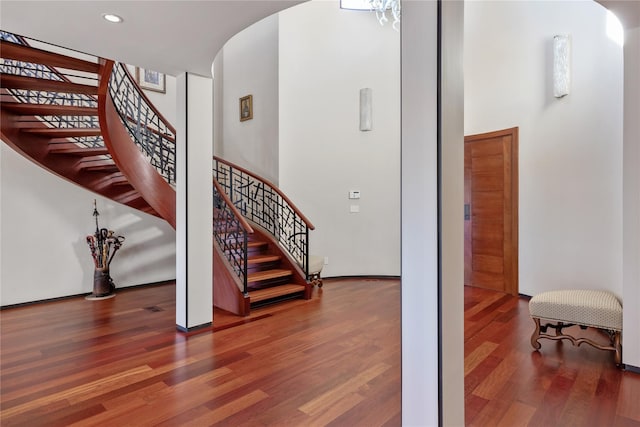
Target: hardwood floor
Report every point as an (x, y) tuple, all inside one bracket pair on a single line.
[(332, 360), (509, 384)]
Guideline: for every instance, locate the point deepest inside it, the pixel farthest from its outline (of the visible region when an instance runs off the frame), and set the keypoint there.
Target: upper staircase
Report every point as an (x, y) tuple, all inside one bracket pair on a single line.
[(50, 113), (86, 120)]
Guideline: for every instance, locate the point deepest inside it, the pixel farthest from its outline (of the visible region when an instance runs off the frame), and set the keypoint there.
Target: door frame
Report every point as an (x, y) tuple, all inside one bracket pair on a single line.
[(512, 286)]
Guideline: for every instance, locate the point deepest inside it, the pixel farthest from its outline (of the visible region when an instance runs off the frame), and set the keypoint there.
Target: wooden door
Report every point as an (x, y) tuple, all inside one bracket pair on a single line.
[(491, 210)]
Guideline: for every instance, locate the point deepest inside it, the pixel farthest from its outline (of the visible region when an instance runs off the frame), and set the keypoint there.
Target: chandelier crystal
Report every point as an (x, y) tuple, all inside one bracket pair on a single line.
[(381, 7)]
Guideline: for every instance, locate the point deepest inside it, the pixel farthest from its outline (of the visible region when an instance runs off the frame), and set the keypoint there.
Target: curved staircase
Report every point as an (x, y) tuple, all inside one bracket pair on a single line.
[(86, 120), (51, 117)]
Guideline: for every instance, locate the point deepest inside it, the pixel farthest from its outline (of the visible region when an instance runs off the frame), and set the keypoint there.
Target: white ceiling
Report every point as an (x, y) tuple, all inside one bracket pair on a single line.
[(167, 36), (627, 11), (170, 36)]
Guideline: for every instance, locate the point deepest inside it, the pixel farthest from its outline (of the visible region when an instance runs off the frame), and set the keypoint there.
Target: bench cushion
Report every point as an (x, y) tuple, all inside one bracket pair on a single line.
[(599, 309), (315, 264)]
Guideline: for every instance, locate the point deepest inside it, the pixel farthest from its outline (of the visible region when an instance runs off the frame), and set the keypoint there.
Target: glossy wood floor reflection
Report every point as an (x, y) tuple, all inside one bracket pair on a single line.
[(332, 360), (508, 384)]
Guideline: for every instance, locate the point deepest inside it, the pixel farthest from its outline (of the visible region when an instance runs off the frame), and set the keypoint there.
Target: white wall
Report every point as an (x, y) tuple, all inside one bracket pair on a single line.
[(570, 163), (326, 56), (631, 318), (44, 222), (248, 65)]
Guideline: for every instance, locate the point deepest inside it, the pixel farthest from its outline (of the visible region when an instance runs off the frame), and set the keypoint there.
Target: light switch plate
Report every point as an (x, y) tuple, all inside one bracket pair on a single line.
[(354, 194), (354, 209)]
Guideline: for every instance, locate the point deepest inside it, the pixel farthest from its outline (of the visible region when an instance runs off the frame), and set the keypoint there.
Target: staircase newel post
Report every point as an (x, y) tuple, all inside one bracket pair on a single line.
[(231, 192), (244, 266), (306, 255)]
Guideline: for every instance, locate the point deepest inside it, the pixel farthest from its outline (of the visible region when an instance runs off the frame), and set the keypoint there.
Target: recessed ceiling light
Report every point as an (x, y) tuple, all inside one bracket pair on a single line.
[(112, 18)]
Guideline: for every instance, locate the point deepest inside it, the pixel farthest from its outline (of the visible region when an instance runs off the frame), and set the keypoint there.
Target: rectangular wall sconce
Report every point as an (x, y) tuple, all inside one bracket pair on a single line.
[(561, 65), (365, 109)]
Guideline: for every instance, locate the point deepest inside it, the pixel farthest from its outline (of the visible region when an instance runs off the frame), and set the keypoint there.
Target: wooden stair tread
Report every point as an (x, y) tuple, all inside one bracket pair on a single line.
[(116, 178), (121, 182), (127, 197), (102, 168), (49, 110), (259, 276), (34, 55), (12, 81), (260, 259), (149, 210), (76, 150), (250, 245), (103, 165), (275, 292), (63, 132)]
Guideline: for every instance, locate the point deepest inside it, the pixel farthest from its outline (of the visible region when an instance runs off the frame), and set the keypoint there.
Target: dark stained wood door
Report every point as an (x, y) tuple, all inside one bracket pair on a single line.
[(491, 210)]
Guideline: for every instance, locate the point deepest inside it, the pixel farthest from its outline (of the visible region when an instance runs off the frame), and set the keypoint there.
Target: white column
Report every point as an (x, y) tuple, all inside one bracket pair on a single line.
[(452, 231), (419, 214), (631, 201), (421, 258), (194, 202)]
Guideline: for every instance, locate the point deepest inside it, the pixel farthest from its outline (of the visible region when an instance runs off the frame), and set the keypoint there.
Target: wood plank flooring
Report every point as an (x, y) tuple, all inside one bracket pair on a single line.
[(509, 384), (332, 360)]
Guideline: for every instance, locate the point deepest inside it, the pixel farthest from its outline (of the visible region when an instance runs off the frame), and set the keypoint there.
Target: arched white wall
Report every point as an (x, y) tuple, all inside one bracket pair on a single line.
[(631, 318), (327, 55), (248, 65), (570, 163), (43, 253)]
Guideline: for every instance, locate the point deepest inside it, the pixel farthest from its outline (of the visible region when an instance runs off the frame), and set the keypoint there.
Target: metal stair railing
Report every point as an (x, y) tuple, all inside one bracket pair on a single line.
[(151, 132), (266, 205), (230, 231), (28, 96)]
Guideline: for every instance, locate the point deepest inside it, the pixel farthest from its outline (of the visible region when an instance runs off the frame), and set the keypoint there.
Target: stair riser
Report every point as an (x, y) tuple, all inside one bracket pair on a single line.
[(263, 303), (262, 266), (269, 283)]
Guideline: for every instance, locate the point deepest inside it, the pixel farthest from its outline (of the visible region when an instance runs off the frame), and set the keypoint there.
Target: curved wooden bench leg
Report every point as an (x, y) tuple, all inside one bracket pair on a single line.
[(536, 334), (618, 348)]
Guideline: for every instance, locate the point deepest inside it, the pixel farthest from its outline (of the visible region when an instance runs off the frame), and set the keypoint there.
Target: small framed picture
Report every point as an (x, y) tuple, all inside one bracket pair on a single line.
[(246, 108), (151, 80)]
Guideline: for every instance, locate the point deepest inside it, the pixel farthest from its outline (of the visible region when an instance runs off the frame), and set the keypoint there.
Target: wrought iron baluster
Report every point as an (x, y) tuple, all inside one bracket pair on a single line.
[(50, 98), (264, 205), (153, 136)]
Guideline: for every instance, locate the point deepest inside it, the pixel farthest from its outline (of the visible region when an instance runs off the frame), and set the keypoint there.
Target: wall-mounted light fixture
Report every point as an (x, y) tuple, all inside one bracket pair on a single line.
[(365, 109), (561, 66), (115, 19)]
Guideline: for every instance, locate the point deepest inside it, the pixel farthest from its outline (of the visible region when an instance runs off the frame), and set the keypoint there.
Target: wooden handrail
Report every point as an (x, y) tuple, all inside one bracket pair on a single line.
[(134, 166), (269, 183), (149, 103), (104, 75), (25, 43), (236, 213), (26, 53)]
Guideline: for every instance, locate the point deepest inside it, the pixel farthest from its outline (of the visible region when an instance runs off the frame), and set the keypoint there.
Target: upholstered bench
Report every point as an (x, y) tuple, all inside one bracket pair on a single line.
[(585, 308), (315, 268)]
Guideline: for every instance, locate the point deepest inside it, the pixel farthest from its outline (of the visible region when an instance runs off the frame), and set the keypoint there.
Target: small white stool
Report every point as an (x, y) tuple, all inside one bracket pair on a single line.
[(585, 308)]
